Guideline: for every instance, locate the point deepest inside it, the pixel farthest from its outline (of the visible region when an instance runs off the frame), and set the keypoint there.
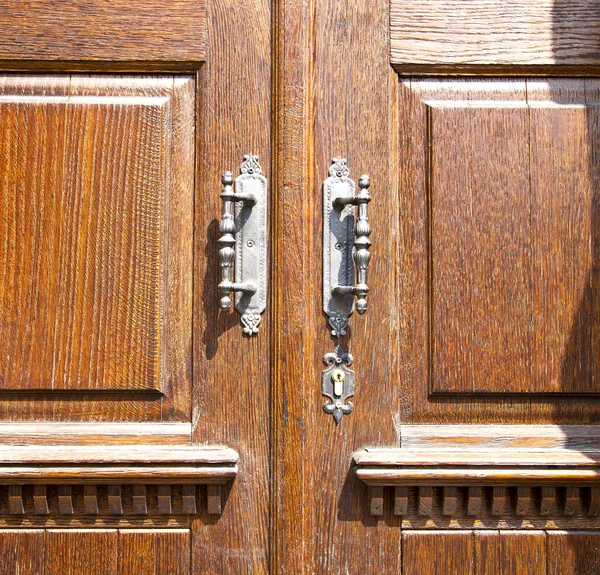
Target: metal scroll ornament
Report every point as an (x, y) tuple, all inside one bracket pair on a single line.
[(338, 384), (247, 231)]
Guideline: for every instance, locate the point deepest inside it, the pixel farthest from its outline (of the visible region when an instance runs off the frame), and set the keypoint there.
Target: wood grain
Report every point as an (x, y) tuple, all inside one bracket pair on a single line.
[(493, 32), (22, 551), (523, 552), (573, 552), (112, 178), (329, 105), (480, 243), (231, 372), (73, 552), (149, 30), (154, 552), (544, 311), (431, 553)]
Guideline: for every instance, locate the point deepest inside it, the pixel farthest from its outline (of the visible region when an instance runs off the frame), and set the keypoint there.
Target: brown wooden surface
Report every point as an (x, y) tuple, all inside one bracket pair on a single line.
[(231, 371), (147, 30), (91, 552), (331, 107), (526, 315), (425, 553), (482, 281), (110, 159), (573, 552), (489, 32)]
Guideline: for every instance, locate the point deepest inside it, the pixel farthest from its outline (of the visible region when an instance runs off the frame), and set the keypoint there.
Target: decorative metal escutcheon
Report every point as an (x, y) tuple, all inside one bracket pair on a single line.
[(247, 231), (345, 245), (338, 383)]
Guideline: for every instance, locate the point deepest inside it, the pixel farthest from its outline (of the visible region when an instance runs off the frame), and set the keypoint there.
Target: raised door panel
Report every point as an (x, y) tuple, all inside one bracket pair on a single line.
[(501, 198), (96, 186), (80, 30), (491, 33)]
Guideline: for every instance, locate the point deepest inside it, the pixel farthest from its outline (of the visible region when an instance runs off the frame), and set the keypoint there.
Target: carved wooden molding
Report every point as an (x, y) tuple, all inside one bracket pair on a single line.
[(113, 479), (487, 472)]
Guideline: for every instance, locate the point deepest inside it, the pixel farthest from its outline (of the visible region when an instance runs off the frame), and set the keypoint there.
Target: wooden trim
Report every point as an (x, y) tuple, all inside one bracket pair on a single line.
[(292, 331), (515, 33), (117, 464), (63, 433), (486, 463), (480, 476)]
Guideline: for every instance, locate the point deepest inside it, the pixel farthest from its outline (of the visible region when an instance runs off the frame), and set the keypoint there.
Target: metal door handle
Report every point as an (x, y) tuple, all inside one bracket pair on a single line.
[(247, 231), (340, 235)]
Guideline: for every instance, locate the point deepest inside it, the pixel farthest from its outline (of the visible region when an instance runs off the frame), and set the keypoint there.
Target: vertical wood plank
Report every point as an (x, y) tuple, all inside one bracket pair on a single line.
[(487, 553), (576, 552), (154, 552), (325, 108), (75, 551), (436, 552), (479, 188), (523, 552), (293, 345), (232, 102), (22, 552), (562, 225)]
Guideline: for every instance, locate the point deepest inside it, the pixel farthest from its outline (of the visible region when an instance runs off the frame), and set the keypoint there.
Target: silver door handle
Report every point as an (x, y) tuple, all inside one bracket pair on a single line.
[(247, 231), (340, 235)]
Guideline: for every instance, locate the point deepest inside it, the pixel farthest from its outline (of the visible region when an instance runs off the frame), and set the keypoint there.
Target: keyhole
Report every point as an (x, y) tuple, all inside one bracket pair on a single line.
[(338, 376)]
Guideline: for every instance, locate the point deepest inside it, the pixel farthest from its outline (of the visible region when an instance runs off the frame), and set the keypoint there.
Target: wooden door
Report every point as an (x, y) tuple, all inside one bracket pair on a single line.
[(473, 445), (128, 404), (142, 432)]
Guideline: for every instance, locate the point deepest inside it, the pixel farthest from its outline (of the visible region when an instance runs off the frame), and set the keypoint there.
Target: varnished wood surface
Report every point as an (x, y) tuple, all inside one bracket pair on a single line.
[(232, 372), (91, 552), (337, 103), (81, 433), (147, 30), (533, 294), (116, 454), (498, 553), (97, 188), (494, 32)]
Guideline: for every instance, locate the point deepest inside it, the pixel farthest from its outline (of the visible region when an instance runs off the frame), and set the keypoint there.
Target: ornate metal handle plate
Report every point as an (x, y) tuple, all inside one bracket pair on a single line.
[(345, 245), (247, 231)]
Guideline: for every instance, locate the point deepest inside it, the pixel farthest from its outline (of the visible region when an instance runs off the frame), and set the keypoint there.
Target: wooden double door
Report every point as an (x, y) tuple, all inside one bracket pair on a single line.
[(141, 431)]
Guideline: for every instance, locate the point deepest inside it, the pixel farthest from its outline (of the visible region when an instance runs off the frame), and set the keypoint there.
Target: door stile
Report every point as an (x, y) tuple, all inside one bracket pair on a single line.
[(231, 370), (293, 252), (334, 96)]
